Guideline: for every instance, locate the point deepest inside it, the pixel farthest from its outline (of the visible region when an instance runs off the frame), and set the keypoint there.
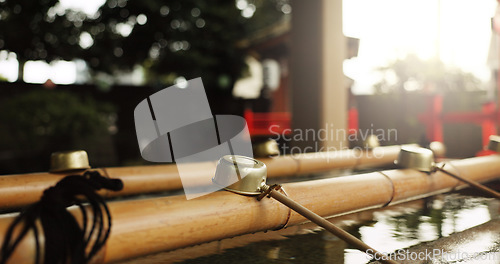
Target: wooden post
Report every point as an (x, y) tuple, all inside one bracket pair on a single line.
[(319, 94)]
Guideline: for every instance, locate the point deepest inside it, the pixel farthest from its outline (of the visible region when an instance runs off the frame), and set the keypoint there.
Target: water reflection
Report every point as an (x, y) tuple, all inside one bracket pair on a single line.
[(439, 216), (387, 231)]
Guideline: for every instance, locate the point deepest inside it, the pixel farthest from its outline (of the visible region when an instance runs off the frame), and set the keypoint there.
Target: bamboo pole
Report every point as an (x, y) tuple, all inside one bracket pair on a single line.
[(147, 226), (23, 189), (219, 246)]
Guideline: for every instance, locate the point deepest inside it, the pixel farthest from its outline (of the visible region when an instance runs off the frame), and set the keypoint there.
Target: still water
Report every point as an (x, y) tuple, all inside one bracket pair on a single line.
[(387, 230)]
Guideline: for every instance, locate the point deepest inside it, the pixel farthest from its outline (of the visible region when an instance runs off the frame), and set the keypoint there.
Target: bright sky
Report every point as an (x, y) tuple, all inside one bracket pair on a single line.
[(391, 29), (388, 29)]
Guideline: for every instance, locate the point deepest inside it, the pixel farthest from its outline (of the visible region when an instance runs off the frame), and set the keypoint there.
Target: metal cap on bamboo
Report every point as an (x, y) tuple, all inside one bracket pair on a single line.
[(69, 160), (494, 144), (240, 174), (266, 148), (421, 159)]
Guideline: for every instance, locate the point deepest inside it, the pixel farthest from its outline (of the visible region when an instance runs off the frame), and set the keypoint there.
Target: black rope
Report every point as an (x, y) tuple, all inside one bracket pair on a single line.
[(65, 241)]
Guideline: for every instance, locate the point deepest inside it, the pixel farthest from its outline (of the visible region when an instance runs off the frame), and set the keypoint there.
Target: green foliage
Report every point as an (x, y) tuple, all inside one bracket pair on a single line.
[(188, 38), (414, 74), (43, 121), (34, 30)]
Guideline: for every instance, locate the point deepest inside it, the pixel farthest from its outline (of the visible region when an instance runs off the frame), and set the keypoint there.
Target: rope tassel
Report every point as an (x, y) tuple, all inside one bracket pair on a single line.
[(65, 240)]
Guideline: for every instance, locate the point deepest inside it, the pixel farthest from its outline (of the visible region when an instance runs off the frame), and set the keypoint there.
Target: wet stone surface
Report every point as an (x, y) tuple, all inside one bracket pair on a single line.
[(480, 244)]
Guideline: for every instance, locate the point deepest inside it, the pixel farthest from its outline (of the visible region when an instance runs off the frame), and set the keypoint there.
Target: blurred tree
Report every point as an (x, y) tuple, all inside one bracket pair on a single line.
[(187, 38), (170, 39), (413, 74)]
